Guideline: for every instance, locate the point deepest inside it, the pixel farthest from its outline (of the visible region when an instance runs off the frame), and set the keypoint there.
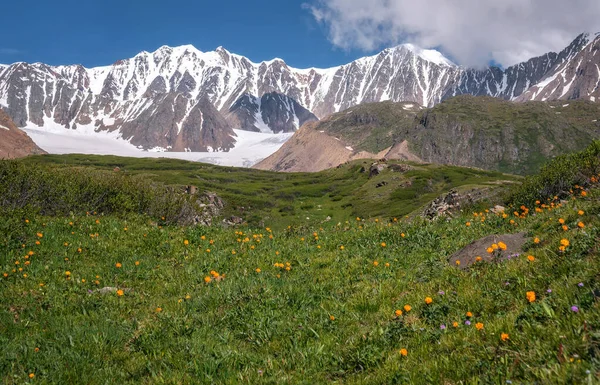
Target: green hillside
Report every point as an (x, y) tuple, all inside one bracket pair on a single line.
[(280, 199), (482, 132)]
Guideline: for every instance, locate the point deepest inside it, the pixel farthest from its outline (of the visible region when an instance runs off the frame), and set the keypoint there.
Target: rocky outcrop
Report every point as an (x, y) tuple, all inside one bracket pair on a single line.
[(476, 252), (15, 143), (210, 205), (443, 205)]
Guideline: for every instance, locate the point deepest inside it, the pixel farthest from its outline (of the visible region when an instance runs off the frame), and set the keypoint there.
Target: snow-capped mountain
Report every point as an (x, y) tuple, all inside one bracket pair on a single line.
[(576, 76), (184, 99)]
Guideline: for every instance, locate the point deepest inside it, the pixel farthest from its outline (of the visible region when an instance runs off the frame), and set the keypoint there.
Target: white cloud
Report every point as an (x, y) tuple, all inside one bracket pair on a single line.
[(473, 32)]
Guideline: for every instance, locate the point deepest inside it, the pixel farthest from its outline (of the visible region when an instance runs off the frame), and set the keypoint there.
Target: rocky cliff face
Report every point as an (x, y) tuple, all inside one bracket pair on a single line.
[(14, 143), (134, 96), (481, 132), (272, 112)]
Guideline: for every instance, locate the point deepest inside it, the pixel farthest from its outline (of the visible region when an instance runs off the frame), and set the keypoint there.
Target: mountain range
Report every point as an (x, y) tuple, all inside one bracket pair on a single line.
[(182, 99)]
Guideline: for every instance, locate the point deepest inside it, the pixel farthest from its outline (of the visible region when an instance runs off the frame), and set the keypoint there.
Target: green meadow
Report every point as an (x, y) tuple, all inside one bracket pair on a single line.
[(100, 284)]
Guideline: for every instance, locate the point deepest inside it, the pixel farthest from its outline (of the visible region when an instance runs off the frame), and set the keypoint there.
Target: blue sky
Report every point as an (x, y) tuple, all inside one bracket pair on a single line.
[(96, 33)]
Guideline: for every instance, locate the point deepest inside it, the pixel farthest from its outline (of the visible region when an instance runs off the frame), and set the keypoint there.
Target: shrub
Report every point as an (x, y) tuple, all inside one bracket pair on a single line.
[(63, 191), (558, 177)]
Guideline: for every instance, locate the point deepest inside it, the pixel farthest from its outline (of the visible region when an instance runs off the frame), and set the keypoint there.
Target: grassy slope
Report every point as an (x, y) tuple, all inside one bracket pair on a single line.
[(481, 127), (541, 130), (280, 199), (329, 318)]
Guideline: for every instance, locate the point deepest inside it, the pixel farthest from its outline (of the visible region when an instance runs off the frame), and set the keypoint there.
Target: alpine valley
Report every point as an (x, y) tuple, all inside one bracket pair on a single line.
[(183, 100)]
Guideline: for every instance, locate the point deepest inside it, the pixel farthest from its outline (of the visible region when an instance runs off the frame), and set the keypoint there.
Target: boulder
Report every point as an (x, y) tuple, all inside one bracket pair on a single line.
[(468, 254)]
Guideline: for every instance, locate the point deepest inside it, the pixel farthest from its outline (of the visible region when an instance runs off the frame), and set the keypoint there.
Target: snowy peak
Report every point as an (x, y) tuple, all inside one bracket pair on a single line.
[(575, 75), (429, 55), (168, 91)]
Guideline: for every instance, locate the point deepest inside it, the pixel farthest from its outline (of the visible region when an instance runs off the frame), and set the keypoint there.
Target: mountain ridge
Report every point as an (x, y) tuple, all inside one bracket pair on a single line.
[(155, 92)]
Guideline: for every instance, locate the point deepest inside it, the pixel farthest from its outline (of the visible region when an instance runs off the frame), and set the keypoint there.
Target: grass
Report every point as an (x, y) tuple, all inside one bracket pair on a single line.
[(281, 199), (209, 305)]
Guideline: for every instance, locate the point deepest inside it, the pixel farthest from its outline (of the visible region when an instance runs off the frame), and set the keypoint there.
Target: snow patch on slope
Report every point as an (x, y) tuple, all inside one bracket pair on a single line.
[(250, 148)]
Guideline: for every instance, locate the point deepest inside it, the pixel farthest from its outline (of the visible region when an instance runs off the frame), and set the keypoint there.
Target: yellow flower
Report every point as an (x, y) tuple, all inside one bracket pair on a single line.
[(531, 258), (536, 240), (40, 235), (455, 324), (404, 352), (118, 265), (479, 325), (31, 375), (504, 336), (398, 313), (158, 309), (502, 245), (428, 300), (258, 270), (332, 318), (580, 212), (186, 242), (375, 263), (468, 224), (490, 250), (494, 246), (407, 308), (564, 242), (531, 296), (580, 225), (382, 244), (207, 279), (120, 292), (457, 262), (68, 273), (561, 221), (478, 259), (387, 264), (469, 314), (403, 235), (137, 263), (565, 227)]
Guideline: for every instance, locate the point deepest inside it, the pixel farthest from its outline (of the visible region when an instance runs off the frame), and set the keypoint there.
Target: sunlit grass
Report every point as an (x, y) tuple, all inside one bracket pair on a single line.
[(101, 299)]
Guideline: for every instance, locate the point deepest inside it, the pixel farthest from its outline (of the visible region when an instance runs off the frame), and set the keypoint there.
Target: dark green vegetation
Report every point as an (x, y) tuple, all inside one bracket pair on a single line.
[(482, 132), (276, 199), (557, 178), (120, 298)]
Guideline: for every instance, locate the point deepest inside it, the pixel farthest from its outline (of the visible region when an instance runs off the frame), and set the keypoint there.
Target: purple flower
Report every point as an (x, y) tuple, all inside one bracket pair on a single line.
[(506, 283), (549, 291), (467, 322), (441, 292), (574, 309), (442, 326), (580, 284)]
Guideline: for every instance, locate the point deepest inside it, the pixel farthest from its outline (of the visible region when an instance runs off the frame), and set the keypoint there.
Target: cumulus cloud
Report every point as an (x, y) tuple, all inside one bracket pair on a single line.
[(472, 32)]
